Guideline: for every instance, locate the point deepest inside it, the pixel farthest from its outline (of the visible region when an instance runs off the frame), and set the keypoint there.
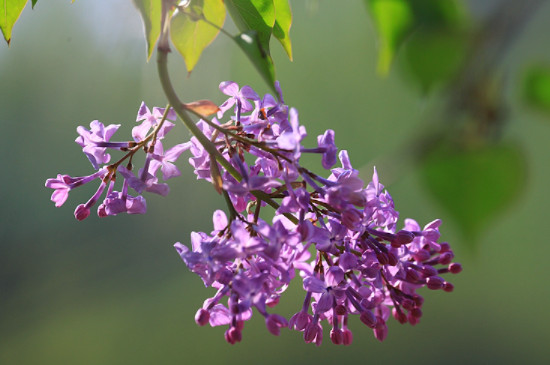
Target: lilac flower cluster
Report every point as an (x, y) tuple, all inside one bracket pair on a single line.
[(95, 142), (339, 235)]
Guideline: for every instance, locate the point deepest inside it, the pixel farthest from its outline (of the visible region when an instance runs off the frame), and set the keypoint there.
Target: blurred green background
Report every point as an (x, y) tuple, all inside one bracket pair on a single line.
[(114, 291)]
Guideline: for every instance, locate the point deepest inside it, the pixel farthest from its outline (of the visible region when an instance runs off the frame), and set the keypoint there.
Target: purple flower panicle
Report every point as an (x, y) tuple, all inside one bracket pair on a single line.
[(96, 141), (338, 233)]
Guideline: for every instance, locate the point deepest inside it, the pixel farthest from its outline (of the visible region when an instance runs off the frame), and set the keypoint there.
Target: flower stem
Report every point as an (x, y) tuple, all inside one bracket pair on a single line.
[(173, 99)]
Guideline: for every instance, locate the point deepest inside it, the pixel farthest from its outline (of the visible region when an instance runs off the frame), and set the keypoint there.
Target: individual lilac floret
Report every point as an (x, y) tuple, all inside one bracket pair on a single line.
[(149, 120), (89, 140), (326, 142), (338, 233), (65, 183), (291, 138), (239, 98), (165, 159)]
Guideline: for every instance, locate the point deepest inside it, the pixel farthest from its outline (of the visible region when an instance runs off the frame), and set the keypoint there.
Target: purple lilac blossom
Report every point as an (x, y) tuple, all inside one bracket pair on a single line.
[(89, 139), (338, 234), (96, 141)]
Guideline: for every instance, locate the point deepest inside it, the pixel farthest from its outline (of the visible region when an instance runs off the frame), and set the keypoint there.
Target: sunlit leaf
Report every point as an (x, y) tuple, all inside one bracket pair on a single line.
[(432, 58), (151, 15), (283, 21), (250, 45), (202, 107), (475, 186), (190, 34), (392, 19), (9, 13), (258, 15), (536, 88)]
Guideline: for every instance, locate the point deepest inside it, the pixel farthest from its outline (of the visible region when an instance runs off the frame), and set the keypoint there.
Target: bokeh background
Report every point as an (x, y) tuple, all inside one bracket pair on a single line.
[(114, 291)]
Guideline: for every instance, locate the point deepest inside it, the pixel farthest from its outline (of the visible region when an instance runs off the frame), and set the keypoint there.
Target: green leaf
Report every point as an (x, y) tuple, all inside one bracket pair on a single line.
[(395, 20), (250, 45), (34, 3), (283, 21), (475, 186), (433, 57), (257, 15), (437, 14), (392, 19), (151, 15), (536, 88), (190, 34), (9, 13)]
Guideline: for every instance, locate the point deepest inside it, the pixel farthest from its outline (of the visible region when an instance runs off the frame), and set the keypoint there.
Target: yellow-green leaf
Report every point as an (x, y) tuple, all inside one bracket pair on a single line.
[(191, 34), (9, 13), (250, 45), (257, 15), (283, 21), (151, 15), (392, 19)]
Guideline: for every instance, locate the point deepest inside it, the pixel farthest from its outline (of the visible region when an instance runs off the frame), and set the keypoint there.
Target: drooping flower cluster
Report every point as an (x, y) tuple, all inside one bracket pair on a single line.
[(338, 234), (95, 142)]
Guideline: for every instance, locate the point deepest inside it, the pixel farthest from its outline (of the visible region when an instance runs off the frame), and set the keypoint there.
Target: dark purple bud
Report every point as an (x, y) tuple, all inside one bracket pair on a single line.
[(381, 330), (233, 335), (422, 255), (336, 336), (412, 319), (383, 259), (202, 317), (412, 275), (416, 312), (347, 337), (435, 282), (368, 318), (455, 268), (340, 310), (392, 260), (446, 258), (428, 271), (81, 212), (403, 237), (448, 287), (418, 300), (445, 247), (399, 315), (407, 303)]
